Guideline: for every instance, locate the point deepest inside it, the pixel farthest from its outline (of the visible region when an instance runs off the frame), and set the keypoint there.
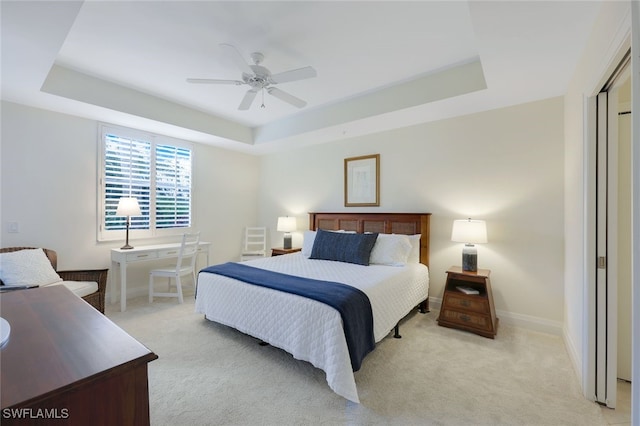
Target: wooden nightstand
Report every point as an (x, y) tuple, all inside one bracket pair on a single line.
[(471, 312), (277, 251)]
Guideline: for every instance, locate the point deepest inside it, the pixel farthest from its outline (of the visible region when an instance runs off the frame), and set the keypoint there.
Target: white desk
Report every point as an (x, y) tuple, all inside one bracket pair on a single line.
[(142, 254)]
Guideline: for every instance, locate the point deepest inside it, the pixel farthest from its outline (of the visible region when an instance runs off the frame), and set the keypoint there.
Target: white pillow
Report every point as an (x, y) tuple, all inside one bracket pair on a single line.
[(391, 250), (307, 242), (27, 267), (414, 255)]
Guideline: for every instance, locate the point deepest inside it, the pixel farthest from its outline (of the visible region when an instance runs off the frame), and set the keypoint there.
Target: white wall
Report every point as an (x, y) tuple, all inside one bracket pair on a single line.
[(503, 166), (49, 166), (601, 54)]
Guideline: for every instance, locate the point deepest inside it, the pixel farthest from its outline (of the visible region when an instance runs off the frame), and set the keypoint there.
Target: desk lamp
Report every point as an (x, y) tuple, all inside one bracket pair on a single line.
[(128, 206)]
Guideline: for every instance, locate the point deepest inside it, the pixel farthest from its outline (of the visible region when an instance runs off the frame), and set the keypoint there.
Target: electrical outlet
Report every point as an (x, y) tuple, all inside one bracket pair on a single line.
[(14, 227)]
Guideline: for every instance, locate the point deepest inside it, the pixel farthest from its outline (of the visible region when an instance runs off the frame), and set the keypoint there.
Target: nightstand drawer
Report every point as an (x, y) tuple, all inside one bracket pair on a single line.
[(470, 303), (480, 322)]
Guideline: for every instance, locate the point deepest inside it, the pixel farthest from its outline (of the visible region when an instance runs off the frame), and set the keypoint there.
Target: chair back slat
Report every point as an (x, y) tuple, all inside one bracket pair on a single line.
[(188, 250), (255, 242)]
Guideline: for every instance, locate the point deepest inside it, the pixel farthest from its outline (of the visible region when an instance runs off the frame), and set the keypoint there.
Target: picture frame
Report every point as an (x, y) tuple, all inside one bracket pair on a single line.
[(362, 181)]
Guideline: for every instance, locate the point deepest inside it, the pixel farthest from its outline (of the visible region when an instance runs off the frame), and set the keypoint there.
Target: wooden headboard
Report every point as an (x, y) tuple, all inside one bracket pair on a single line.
[(384, 223)]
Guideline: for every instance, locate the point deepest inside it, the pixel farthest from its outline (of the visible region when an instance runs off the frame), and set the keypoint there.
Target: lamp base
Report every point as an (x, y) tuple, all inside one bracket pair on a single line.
[(287, 241), (126, 245), (469, 258)]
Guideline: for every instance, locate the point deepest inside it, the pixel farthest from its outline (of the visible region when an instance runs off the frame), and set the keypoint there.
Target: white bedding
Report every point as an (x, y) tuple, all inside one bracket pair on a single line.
[(307, 329)]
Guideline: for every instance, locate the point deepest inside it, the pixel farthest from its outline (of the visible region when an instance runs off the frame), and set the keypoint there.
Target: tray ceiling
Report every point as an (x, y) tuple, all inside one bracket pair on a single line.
[(380, 65)]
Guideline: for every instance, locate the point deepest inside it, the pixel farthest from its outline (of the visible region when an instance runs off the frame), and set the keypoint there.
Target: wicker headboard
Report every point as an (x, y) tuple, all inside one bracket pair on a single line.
[(384, 223)]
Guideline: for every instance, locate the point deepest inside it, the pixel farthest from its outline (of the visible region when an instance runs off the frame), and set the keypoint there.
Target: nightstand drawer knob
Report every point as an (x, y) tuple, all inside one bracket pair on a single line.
[(465, 303), (465, 318)]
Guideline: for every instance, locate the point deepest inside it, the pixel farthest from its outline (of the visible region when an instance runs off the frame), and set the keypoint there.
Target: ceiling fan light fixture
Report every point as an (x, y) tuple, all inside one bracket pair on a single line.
[(258, 77), (257, 57)]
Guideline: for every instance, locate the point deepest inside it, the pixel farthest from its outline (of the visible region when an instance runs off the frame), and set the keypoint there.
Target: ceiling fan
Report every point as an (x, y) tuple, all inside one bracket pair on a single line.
[(259, 78)]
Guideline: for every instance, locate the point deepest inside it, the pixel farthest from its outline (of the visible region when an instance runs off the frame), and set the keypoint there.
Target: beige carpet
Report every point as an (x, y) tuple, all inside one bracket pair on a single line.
[(208, 374)]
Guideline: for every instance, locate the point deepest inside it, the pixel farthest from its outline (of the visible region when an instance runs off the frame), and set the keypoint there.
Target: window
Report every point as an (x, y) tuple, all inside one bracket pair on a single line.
[(154, 169)]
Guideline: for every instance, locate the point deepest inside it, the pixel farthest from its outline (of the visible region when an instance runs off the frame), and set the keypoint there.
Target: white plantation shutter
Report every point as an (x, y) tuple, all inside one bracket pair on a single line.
[(173, 187), (127, 173), (155, 170)]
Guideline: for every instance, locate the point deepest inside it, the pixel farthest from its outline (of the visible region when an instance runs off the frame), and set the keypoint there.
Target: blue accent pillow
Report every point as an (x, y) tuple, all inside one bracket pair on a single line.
[(343, 247)]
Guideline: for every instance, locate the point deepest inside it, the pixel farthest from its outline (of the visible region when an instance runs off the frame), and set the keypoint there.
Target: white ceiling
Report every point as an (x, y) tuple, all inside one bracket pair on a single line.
[(380, 65)]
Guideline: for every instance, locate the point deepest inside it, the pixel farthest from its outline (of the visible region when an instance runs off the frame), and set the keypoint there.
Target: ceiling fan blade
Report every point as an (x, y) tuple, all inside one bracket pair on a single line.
[(284, 96), (236, 56), (248, 99), (293, 75), (213, 81)]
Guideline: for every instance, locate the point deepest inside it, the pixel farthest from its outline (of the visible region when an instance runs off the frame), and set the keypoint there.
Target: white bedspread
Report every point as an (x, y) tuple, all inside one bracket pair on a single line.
[(307, 329)]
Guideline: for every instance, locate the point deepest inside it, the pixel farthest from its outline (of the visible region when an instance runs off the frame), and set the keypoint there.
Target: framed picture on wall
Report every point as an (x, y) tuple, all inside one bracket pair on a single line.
[(362, 181)]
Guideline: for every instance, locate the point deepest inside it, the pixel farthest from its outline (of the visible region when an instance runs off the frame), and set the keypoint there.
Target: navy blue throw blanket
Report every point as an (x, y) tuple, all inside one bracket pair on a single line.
[(353, 304)]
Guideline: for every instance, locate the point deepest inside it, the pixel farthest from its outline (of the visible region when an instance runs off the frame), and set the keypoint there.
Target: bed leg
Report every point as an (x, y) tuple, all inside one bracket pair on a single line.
[(396, 331), (424, 306)]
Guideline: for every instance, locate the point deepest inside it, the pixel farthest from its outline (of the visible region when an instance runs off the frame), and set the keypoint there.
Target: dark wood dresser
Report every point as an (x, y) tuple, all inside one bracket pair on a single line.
[(66, 363)]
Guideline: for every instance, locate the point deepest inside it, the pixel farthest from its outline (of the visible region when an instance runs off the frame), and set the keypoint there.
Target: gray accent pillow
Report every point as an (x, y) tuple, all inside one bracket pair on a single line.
[(343, 247)]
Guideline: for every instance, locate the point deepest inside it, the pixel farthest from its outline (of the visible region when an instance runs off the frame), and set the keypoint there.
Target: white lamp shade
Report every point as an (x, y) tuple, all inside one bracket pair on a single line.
[(469, 231), (128, 206), (287, 224)]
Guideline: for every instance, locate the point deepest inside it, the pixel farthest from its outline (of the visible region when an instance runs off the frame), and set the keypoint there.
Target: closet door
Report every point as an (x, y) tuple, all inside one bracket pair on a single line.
[(606, 243)]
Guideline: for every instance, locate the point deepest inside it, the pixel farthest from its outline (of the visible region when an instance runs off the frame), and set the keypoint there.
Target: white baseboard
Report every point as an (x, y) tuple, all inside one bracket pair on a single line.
[(517, 320), (574, 356)]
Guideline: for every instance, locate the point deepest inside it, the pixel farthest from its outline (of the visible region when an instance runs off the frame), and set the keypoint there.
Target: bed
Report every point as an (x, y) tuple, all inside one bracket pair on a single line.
[(309, 329)]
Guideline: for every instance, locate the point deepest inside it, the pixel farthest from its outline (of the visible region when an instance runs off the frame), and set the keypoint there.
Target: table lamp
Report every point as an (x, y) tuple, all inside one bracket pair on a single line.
[(287, 225), (469, 232), (128, 206)]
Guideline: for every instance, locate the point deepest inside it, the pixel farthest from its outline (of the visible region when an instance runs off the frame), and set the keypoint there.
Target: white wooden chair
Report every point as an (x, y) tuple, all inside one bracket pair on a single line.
[(255, 243), (186, 265)]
